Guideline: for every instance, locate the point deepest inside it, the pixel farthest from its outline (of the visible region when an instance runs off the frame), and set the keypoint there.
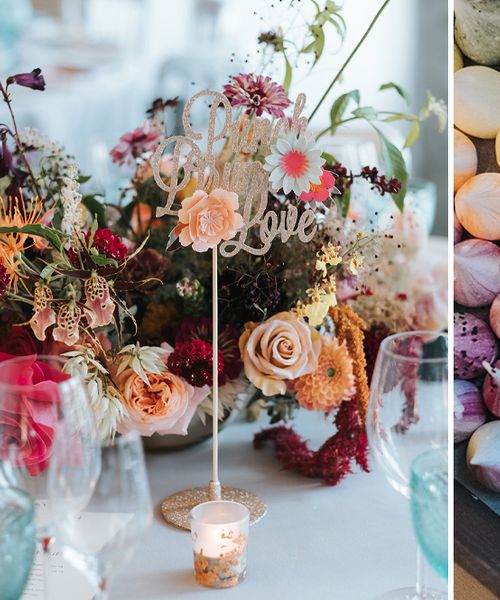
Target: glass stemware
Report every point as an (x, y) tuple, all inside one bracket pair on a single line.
[(100, 536), (38, 404), (407, 416), (429, 507), (17, 542)]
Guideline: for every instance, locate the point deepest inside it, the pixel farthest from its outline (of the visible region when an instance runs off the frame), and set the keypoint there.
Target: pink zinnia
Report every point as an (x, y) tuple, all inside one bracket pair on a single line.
[(258, 94), (136, 143)]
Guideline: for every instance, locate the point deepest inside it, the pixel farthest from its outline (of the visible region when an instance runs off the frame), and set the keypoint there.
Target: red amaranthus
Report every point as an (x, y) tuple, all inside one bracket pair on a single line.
[(334, 459)]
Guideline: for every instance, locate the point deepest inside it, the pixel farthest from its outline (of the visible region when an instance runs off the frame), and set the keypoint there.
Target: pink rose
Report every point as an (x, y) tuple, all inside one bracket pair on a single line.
[(28, 418), (278, 350), (207, 219), (165, 406)]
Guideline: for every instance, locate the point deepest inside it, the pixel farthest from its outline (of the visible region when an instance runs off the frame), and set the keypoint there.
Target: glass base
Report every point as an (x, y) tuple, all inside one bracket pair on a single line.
[(410, 593)]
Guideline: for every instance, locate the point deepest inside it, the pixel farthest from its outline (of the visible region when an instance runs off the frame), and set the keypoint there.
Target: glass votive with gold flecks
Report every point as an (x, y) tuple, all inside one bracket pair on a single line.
[(219, 531)]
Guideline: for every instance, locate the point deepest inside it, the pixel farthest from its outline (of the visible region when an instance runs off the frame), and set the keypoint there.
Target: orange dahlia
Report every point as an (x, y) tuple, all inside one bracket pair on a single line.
[(331, 383)]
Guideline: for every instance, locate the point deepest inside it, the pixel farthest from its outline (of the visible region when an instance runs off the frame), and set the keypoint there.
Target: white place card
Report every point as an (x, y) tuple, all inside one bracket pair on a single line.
[(62, 575)]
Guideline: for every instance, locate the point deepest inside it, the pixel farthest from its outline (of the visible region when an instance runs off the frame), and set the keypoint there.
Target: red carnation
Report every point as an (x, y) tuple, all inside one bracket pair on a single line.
[(4, 281), (105, 242), (192, 360), (200, 328)]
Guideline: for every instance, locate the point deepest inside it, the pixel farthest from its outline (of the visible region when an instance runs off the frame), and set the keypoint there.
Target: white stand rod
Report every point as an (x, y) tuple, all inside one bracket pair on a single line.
[(214, 488)]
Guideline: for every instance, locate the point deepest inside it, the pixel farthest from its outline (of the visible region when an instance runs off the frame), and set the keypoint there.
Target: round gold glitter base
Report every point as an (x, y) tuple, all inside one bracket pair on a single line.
[(177, 507)]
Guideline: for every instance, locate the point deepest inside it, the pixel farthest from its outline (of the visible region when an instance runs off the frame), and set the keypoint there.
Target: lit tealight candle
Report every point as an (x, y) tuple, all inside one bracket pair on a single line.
[(220, 534)]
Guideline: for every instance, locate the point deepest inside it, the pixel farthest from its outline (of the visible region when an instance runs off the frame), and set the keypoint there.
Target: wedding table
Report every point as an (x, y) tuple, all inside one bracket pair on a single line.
[(350, 542)]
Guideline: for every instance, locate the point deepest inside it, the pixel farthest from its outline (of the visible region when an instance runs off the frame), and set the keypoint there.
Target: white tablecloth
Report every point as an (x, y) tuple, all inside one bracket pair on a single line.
[(349, 542)]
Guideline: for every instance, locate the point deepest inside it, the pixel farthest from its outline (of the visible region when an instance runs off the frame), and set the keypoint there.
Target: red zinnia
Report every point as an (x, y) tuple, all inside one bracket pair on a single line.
[(192, 360)]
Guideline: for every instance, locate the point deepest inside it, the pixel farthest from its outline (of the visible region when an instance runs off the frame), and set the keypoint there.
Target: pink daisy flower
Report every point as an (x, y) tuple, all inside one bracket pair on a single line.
[(294, 164), (320, 192), (258, 94)]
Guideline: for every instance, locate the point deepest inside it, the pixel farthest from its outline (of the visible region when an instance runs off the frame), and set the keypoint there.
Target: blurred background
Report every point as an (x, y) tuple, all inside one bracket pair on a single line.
[(105, 61)]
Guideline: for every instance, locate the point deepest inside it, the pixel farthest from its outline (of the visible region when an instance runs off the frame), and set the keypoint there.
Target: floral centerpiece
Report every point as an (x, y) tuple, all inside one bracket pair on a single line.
[(299, 324)]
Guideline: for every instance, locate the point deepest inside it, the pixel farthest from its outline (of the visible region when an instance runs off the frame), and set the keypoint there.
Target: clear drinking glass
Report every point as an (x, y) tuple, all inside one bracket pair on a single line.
[(407, 416), (38, 404), (17, 542), (429, 506), (102, 535)]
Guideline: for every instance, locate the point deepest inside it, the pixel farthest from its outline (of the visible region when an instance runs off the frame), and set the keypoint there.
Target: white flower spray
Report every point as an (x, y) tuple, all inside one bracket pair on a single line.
[(105, 400)]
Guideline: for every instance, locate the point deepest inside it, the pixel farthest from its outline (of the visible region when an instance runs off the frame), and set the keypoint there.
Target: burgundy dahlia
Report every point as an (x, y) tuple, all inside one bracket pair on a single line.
[(258, 94), (192, 360), (200, 328), (148, 264), (4, 281)]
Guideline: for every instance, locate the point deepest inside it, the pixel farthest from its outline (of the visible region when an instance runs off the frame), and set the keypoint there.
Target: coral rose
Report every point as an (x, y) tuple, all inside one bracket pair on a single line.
[(165, 406), (278, 350), (207, 219)]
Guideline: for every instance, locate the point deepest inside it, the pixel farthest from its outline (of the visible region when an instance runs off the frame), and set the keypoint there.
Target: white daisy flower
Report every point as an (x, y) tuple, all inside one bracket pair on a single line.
[(294, 163)]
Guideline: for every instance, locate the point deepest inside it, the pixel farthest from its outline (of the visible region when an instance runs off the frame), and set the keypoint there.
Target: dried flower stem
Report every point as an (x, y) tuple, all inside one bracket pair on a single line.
[(349, 327), (349, 58), (18, 142)]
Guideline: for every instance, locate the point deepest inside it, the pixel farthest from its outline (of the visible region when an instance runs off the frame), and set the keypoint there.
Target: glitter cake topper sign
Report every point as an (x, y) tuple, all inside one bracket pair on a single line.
[(242, 175)]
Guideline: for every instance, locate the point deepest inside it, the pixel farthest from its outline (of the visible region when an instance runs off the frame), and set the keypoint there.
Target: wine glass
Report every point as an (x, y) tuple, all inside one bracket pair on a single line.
[(38, 404), (102, 535), (407, 415), (429, 506), (17, 541)]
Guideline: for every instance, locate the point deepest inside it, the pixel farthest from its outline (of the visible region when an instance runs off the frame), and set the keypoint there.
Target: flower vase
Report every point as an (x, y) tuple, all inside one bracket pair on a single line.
[(198, 432)]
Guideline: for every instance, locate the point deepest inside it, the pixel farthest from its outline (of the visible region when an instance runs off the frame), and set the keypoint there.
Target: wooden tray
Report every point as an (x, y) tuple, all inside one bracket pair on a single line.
[(477, 539)]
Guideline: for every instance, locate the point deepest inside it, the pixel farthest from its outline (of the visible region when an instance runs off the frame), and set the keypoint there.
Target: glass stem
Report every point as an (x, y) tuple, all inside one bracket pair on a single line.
[(102, 593), (420, 585), (46, 544)]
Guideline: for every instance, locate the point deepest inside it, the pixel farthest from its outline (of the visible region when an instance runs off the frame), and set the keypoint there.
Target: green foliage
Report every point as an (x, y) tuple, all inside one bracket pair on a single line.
[(55, 237), (95, 208), (103, 261), (394, 86), (345, 202), (327, 17), (339, 108), (396, 167)]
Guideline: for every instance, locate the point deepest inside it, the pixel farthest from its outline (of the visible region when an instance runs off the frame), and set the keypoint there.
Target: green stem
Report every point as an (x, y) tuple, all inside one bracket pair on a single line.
[(17, 298), (349, 58), (329, 128)]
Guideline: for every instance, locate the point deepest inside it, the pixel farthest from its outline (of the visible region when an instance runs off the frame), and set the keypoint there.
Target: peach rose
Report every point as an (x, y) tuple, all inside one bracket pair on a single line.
[(279, 350), (165, 406), (207, 219)]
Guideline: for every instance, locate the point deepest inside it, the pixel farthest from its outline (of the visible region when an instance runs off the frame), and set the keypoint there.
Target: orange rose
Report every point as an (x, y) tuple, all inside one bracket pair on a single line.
[(165, 406), (207, 219), (278, 350)]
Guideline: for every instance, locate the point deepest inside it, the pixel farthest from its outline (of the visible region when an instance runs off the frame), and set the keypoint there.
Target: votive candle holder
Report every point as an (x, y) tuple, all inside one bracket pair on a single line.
[(219, 531)]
